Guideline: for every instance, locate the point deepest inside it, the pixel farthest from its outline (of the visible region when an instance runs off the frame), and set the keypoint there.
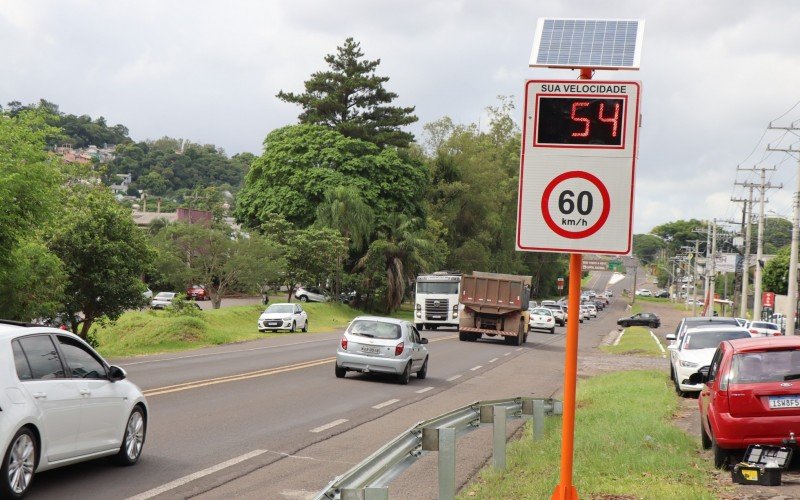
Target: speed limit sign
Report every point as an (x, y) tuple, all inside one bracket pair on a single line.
[(579, 143)]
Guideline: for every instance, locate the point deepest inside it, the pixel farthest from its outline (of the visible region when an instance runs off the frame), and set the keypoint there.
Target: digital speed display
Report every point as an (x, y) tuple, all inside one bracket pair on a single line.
[(580, 122)]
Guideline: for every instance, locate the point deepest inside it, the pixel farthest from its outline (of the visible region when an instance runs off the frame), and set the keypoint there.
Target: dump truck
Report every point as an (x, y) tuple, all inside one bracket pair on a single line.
[(494, 305)]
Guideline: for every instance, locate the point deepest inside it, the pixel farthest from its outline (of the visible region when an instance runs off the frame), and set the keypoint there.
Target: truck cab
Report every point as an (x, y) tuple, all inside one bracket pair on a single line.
[(436, 300)]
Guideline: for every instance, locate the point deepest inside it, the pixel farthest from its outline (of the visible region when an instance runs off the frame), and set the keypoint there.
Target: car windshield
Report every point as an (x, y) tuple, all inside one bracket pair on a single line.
[(770, 366), (437, 287), (280, 308), (374, 329), (709, 339), (542, 311), (761, 324), (165, 295), (552, 306)]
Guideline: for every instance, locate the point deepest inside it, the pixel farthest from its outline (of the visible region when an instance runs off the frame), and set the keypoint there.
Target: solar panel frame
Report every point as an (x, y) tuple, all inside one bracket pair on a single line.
[(588, 43)]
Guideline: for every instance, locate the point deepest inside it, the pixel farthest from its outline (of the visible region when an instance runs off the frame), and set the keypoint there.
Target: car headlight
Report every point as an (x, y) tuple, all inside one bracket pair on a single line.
[(688, 364), (288, 318)]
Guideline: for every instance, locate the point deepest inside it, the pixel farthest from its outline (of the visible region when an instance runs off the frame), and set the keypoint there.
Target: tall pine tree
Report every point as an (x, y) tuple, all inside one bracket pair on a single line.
[(350, 98)]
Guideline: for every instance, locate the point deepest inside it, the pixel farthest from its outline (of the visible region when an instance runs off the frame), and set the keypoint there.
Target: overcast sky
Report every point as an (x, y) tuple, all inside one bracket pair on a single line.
[(714, 74)]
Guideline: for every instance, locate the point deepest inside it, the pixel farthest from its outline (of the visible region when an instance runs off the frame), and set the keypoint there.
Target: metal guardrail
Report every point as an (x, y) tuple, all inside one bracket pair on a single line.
[(369, 479)]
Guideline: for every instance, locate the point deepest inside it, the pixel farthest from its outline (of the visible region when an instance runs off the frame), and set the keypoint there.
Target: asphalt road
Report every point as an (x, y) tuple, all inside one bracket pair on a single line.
[(268, 419)]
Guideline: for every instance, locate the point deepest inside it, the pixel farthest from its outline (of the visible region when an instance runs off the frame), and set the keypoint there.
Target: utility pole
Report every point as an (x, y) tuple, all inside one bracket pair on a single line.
[(708, 266), (792, 292), (694, 277), (747, 223), (713, 275)]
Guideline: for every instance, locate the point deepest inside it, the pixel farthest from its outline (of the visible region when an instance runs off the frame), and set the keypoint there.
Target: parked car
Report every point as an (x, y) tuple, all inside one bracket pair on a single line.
[(741, 321), (162, 300), (695, 350), (147, 294), (383, 345), (542, 319), (311, 294), (62, 403), (284, 316), (644, 292), (763, 329), (640, 319), (699, 322), (197, 292), (750, 395), (592, 309), (610, 292), (559, 312), (662, 294)]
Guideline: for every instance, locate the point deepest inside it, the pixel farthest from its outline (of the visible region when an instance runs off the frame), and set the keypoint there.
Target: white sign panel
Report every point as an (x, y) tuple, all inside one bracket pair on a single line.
[(579, 141)]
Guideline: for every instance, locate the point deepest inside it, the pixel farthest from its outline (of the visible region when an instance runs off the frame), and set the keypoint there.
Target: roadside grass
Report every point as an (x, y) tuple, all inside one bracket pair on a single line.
[(635, 341), (680, 306), (148, 332), (625, 447)]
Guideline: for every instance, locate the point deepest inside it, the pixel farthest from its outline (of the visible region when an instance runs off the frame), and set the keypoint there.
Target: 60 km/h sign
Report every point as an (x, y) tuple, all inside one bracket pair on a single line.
[(577, 166)]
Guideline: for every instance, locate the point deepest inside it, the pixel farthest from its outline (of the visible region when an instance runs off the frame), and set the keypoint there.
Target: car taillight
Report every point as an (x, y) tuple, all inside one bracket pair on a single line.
[(398, 350), (753, 331), (549, 320), (344, 343), (776, 334)]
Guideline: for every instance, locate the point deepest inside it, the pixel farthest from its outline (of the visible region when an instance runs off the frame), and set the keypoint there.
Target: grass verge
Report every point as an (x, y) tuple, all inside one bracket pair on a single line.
[(636, 341), (625, 447), (148, 332)]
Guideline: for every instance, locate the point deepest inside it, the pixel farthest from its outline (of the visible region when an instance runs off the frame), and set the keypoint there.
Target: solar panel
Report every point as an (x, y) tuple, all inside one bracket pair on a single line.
[(588, 43)]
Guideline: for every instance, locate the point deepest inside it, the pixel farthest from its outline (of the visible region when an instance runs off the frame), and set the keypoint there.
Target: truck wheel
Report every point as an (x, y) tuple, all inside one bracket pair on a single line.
[(463, 336), (474, 337)]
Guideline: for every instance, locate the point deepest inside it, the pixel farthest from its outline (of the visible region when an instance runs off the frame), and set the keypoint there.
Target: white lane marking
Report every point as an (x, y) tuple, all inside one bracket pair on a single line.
[(197, 475), (658, 342), (518, 349), (385, 404), (330, 425), (426, 389), (223, 352), (507, 354), (476, 368), (493, 360), (454, 377), (616, 342)]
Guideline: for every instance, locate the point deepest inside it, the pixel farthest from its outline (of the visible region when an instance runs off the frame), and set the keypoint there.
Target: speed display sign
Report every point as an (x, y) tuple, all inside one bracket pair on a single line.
[(579, 143)]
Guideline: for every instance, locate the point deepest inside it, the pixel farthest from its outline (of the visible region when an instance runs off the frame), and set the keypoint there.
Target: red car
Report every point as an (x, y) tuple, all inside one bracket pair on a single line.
[(197, 292), (751, 395)]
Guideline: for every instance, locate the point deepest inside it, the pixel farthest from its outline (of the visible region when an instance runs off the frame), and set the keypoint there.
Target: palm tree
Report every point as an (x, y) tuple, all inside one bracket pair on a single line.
[(398, 251), (343, 209)]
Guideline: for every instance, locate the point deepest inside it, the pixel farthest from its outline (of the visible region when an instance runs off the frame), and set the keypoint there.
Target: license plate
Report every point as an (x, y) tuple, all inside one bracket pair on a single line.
[(273, 323), (784, 401), (435, 316), (370, 350)]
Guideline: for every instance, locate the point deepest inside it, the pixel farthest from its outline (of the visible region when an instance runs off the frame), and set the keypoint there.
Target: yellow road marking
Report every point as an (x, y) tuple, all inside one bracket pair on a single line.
[(244, 376)]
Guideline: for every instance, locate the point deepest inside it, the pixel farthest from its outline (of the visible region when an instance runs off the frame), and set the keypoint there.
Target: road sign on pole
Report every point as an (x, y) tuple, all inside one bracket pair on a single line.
[(560, 284), (579, 142)]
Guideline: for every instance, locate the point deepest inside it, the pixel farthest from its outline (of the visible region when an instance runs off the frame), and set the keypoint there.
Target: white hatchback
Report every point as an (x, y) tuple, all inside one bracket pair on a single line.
[(62, 404), (286, 316), (542, 319)]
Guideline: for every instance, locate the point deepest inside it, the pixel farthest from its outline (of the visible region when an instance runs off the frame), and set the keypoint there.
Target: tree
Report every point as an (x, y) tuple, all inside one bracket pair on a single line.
[(776, 272), (33, 285), (647, 246), (343, 209), (680, 233), (394, 259), (194, 254), (301, 163), (350, 98), (314, 256), (104, 256)]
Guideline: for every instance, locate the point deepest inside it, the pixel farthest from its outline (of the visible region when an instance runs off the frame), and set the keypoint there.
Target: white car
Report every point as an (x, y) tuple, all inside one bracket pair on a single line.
[(162, 300), (542, 319), (592, 310), (585, 312), (61, 404), (644, 292), (695, 350), (311, 294), (763, 329), (284, 316)]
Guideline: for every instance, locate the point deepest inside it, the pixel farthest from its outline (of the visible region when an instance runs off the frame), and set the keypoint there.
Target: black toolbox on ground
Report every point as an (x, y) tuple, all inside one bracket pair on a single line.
[(762, 465)]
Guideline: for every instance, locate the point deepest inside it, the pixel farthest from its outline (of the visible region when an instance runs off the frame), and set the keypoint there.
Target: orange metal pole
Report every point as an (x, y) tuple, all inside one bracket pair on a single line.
[(565, 490)]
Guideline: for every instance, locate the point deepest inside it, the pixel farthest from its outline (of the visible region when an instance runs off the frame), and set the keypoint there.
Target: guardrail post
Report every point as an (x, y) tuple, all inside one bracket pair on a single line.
[(447, 464), (538, 419), (499, 437)]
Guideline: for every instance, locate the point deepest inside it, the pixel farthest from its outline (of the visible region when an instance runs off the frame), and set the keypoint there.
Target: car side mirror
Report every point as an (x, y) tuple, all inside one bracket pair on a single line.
[(700, 376), (671, 337), (423, 341), (115, 373)]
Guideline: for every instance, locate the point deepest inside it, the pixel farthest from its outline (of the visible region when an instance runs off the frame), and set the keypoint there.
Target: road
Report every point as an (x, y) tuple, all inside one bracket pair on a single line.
[(268, 419)]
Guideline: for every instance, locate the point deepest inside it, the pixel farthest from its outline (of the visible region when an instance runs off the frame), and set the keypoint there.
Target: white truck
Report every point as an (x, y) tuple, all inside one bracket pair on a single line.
[(436, 300)]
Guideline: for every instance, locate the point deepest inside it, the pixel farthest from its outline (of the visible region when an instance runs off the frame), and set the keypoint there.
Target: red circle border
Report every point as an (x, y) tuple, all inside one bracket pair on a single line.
[(579, 174)]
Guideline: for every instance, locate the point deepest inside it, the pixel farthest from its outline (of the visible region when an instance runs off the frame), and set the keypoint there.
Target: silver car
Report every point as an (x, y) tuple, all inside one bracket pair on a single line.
[(382, 345)]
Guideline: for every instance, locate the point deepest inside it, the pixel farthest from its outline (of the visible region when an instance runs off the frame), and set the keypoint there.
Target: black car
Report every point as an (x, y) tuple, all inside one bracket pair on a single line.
[(663, 294), (640, 319)]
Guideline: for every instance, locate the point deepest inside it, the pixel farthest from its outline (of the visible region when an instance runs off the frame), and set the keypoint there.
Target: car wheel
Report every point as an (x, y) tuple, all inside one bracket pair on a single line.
[(653, 325), (423, 372), (406, 375), (293, 328), (305, 327), (720, 455), (678, 390), (340, 371), (19, 463), (625, 324), (671, 373), (133, 440), (303, 298), (552, 330), (705, 440)]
